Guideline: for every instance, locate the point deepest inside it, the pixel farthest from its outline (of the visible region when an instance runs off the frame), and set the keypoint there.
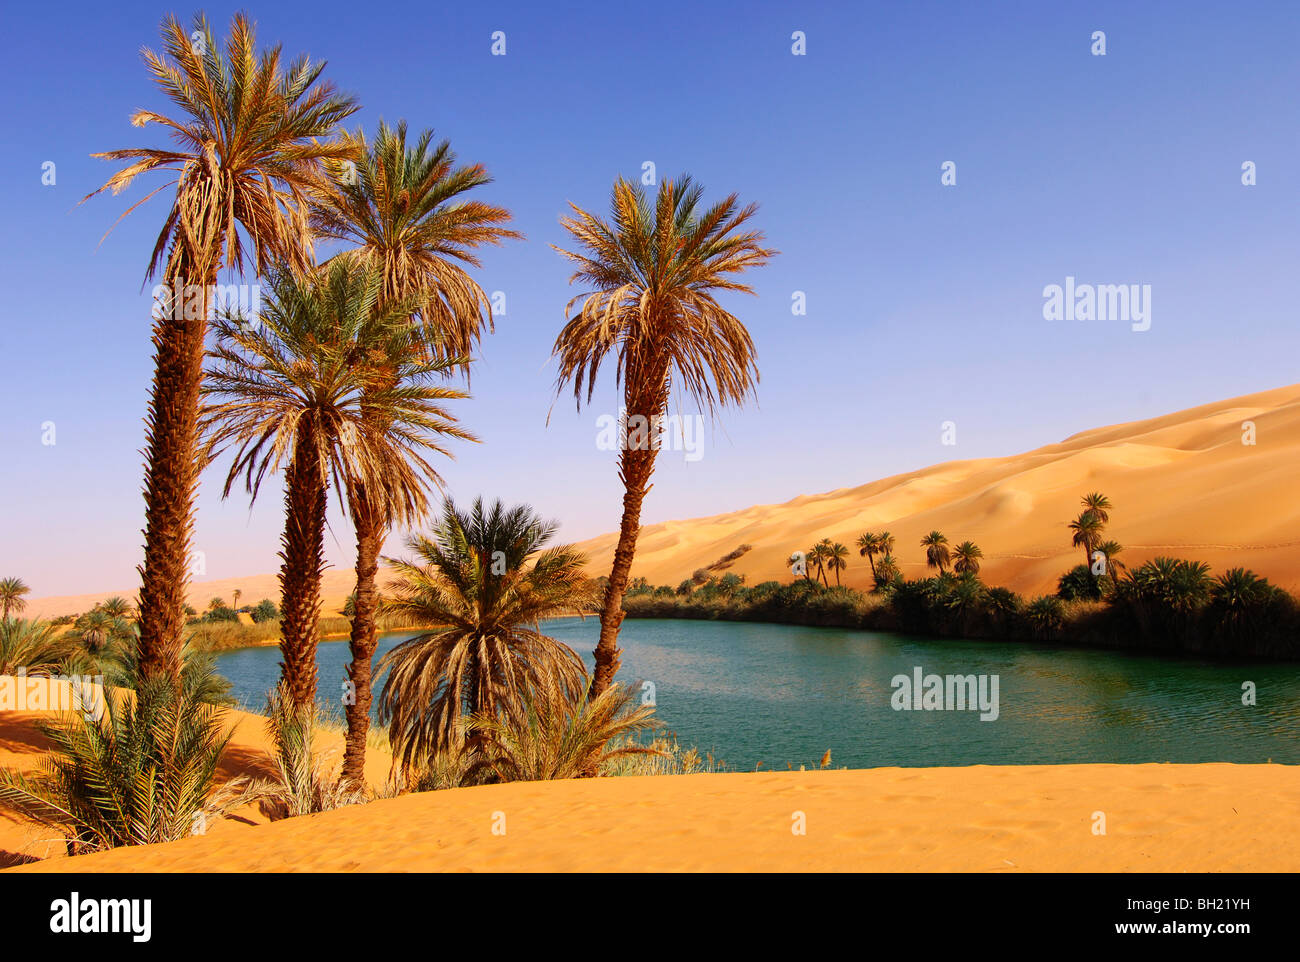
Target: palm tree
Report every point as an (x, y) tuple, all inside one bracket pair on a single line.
[(967, 557), (885, 543), (11, 595), (235, 599), (652, 274), (303, 387), (1098, 504), (560, 732), (817, 555), (1087, 530), (483, 584), (1111, 549), (936, 550), (248, 148), (836, 560), (868, 545), (116, 607), (404, 211), (33, 646)]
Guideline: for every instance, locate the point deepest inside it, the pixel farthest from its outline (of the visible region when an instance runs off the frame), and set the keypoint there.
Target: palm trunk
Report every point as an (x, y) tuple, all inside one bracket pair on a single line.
[(635, 468), (171, 478), (370, 538), (300, 575)]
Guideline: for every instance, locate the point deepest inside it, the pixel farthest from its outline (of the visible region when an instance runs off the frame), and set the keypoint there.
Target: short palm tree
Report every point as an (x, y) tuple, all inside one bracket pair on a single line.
[(249, 144), (966, 558), (301, 390), (1112, 549), (937, 554), (482, 584), (403, 210), (868, 547), (837, 560), (11, 595), (561, 732), (1087, 528), (116, 607), (652, 274), (144, 772)]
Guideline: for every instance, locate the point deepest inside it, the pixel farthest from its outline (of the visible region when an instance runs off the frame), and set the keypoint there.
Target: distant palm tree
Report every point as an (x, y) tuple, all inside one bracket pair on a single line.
[(216, 604), (1098, 504), (235, 596), (247, 150), (887, 570), (936, 550), (653, 274), (1087, 530), (836, 560), (967, 555), (405, 209), (116, 607), (11, 595), (483, 584), (304, 389), (868, 546), (822, 553)]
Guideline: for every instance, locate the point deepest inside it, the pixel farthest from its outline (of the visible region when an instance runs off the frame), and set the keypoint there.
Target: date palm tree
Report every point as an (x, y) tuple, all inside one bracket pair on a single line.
[(1087, 528), (868, 546), (967, 557), (937, 554), (404, 212), (11, 595), (482, 584), (837, 560), (817, 556), (1111, 549), (248, 147), (1098, 504), (885, 543), (652, 274), (300, 390)]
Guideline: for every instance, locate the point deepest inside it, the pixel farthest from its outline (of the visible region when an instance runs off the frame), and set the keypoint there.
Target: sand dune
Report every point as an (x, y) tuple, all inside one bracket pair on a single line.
[(1182, 484), (1158, 818)]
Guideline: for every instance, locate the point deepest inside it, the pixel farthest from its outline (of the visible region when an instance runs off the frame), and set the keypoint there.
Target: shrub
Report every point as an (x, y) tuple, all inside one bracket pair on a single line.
[(265, 610)]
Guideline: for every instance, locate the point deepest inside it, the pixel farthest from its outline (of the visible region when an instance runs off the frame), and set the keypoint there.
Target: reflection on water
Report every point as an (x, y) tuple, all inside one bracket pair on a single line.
[(782, 695)]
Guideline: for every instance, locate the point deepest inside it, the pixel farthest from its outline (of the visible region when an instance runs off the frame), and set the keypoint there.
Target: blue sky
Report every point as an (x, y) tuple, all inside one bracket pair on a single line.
[(924, 302)]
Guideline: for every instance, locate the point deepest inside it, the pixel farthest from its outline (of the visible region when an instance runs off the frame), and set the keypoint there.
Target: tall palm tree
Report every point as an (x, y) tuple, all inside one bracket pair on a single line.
[(653, 273), (868, 545), (937, 554), (1098, 504), (404, 212), (836, 560), (11, 595), (967, 557), (483, 584), (817, 556), (885, 543), (249, 143), (302, 388), (1087, 528)]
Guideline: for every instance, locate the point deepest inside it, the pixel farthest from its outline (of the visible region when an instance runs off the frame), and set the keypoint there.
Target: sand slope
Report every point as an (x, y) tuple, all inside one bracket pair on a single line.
[(1181, 484), (983, 819)]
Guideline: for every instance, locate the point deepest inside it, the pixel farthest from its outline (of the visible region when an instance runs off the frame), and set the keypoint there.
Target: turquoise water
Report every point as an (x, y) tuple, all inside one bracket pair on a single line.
[(780, 694)]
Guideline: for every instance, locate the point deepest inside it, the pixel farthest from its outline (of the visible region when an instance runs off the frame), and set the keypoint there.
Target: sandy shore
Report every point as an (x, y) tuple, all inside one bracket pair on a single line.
[(1161, 818)]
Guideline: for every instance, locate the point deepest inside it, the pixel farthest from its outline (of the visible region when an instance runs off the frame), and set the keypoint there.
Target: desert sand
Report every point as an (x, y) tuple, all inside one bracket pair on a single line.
[(22, 746), (1182, 484), (1172, 818)]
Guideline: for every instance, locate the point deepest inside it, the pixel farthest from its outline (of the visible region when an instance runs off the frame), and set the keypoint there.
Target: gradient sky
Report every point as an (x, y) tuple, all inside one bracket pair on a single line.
[(924, 301)]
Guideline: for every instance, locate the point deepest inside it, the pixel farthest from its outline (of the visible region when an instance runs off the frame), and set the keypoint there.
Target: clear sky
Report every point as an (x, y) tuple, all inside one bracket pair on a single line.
[(924, 301)]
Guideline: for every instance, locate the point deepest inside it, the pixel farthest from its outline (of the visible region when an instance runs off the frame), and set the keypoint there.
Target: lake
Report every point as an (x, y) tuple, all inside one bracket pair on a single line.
[(782, 695)]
